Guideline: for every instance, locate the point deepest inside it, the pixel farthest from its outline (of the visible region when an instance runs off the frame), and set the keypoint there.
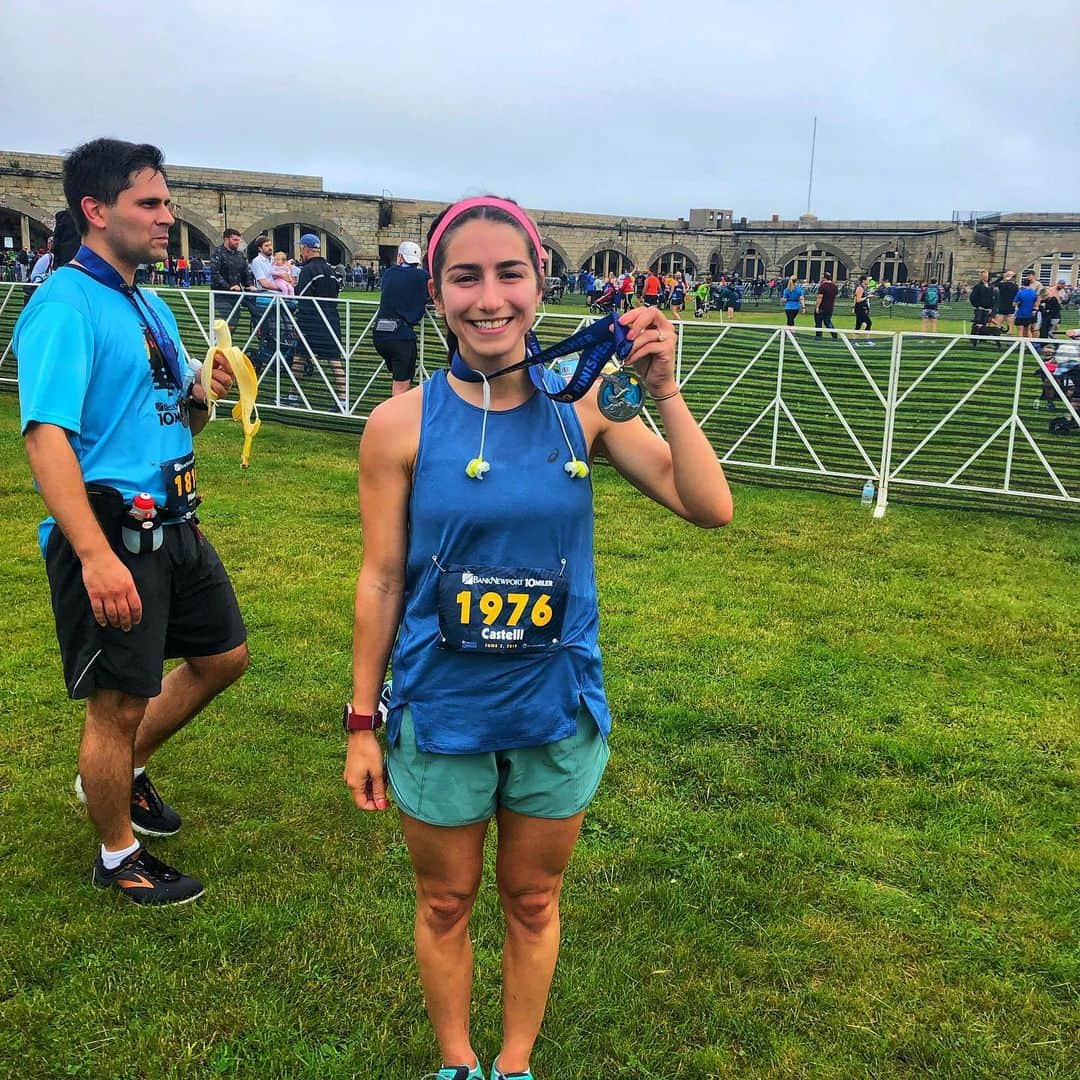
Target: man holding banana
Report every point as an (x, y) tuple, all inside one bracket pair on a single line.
[(109, 405)]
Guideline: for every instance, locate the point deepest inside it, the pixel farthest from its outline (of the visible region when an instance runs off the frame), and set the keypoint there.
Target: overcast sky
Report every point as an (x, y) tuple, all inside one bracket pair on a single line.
[(609, 106)]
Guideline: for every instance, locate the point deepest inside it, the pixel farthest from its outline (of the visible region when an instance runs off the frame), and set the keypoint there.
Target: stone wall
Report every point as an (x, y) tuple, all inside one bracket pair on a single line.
[(258, 201)]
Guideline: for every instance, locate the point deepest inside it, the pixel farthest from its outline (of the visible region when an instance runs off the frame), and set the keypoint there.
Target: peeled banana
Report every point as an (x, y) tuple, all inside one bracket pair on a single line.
[(246, 382)]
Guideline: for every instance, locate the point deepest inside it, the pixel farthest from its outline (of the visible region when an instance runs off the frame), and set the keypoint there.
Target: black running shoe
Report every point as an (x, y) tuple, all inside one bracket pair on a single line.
[(146, 880), (150, 816)]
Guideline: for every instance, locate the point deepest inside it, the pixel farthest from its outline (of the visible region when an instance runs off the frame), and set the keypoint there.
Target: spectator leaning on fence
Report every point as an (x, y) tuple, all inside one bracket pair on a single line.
[(229, 272), (317, 316), (262, 266)]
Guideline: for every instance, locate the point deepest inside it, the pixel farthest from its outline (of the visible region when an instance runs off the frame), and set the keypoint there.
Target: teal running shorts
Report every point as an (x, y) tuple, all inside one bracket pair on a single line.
[(554, 781)]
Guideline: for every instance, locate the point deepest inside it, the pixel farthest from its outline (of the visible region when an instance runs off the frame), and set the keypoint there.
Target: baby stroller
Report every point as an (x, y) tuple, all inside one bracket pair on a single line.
[(274, 331), (554, 287), (605, 303)]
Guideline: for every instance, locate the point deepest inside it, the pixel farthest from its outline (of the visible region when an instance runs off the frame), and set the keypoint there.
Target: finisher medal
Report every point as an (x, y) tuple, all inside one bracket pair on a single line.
[(621, 396)]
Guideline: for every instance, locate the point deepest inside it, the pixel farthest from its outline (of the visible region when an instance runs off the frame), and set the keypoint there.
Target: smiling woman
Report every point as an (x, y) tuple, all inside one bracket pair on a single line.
[(480, 577)]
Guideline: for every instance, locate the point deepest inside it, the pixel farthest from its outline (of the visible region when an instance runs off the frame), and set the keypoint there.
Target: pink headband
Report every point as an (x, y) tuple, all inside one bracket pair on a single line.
[(465, 205)]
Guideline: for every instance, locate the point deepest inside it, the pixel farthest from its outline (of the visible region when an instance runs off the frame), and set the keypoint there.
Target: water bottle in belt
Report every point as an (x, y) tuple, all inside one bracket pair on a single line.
[(142, 527)]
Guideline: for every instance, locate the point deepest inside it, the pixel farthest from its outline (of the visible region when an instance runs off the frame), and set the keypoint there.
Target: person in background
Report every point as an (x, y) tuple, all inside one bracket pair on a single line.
[(262, 266), (825, 304), (1007, 289), (651, 291), (862, 308), (401, 307), (794, 300), (43, 265), (1049, 311), (282, 273), (983, 303), (1026, 305), (318, 318), (229, 273), (931, 300)]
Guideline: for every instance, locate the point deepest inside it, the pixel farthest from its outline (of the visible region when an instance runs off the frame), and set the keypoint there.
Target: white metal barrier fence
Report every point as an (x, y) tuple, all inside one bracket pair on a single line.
[(936, 412)]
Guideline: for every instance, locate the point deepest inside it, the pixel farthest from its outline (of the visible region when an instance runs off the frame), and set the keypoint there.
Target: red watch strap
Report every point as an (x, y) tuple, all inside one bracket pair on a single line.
[(354, 721)]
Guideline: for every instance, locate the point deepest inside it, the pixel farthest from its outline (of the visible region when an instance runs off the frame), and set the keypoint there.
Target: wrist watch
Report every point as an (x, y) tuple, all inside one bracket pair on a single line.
[(354, 721)]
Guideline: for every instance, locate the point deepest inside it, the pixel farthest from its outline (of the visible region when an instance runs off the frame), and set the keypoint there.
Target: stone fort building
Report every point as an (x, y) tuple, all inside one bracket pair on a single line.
[(368, 228)]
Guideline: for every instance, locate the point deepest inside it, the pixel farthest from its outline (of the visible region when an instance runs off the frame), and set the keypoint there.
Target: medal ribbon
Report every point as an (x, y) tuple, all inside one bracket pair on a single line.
[(596, 343)]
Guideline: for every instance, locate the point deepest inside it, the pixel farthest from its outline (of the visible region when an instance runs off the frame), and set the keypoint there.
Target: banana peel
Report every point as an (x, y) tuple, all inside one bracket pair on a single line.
[(246, 382)]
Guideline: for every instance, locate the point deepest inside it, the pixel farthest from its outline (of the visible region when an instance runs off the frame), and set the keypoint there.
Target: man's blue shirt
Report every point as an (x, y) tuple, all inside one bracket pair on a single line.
[(85, 365), (1025, 301), (404, 296)]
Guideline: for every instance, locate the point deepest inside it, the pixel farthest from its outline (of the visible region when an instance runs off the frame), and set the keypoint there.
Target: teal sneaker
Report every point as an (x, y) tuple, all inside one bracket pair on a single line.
[(498, 1074), (457, 1072)]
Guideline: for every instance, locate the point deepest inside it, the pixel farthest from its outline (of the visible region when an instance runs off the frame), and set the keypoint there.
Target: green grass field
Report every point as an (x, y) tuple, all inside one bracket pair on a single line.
[(837, 838)]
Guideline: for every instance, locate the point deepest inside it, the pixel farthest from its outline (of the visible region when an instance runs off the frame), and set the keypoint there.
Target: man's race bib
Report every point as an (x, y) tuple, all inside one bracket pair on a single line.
[(181, 492), (508, 611)]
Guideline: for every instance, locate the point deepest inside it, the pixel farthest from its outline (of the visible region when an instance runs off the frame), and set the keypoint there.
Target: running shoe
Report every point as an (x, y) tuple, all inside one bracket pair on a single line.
[(150, 815), (142, 879), (457, 1072), (498, 1074)]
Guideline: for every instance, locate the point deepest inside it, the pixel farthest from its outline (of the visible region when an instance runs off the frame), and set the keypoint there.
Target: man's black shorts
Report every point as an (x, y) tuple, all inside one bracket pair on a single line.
[(189, 609), (400, 356)]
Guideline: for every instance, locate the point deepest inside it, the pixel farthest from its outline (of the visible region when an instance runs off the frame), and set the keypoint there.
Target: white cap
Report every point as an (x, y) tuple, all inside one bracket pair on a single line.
[(410, 252)]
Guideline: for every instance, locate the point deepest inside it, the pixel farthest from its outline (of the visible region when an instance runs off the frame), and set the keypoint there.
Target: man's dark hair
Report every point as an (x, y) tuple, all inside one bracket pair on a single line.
[(102, 169), (230, 232), (261, 239)]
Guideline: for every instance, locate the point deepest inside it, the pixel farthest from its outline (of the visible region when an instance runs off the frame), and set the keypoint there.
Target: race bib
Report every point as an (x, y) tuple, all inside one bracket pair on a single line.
[(501, 610), (181, 490)]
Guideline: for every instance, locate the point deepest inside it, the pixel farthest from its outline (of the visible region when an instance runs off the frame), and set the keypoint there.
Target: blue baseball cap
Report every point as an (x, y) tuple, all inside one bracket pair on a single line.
[(310, 240)]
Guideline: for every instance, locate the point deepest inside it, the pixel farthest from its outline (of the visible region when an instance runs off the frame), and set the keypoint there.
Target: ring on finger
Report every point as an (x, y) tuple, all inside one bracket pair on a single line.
[(659, 335)]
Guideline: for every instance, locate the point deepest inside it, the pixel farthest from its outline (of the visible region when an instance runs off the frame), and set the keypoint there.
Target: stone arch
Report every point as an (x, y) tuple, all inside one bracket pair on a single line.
[(265, 224), (741, 251), (192, 220), (588, 253), (821, 245), (676, 249), (875, 253), (557, 249), (45, 218)]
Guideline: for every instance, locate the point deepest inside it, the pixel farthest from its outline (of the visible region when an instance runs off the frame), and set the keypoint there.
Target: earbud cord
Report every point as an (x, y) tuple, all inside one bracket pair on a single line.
[(574, 466)]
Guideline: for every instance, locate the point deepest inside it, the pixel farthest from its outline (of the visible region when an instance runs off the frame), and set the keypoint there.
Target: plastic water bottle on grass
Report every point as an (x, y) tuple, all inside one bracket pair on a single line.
[(868, 493)]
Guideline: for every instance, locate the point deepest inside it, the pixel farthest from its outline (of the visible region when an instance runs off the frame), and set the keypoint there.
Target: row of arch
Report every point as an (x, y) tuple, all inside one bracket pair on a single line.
[(808, 264), (203, 236), (808, 260)]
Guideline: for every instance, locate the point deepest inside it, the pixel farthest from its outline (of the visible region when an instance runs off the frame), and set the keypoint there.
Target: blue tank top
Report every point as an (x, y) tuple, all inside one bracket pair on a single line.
[(526, 521)]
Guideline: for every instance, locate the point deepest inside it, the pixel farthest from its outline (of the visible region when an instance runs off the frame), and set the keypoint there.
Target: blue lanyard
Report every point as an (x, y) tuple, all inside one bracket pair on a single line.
[(92, 264), (596, 344)]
